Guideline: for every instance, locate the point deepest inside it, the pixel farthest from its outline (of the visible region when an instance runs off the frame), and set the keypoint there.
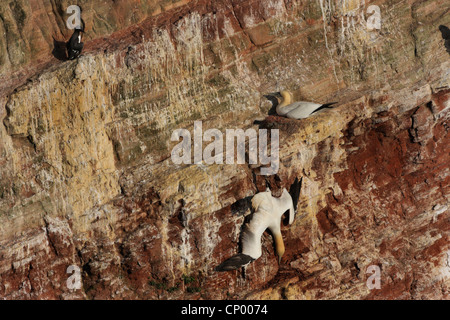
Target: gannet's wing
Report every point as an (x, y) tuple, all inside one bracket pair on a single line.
[(286, 109), (294, 191), (235, 262), (326, 105), (305, 109), (251, 236), (251, 243)]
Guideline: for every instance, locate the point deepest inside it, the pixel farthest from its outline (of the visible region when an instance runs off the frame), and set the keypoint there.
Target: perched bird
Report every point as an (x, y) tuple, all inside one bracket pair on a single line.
[(267, 215), (299, 109), (445, 31), (74, 46)]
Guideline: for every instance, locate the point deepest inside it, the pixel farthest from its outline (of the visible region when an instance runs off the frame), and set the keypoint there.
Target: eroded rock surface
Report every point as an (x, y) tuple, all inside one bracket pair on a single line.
[(86, 177)]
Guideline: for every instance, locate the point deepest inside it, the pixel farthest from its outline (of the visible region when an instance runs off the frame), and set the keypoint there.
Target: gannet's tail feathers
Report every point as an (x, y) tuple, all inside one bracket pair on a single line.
[(235, 262), (326, 105)]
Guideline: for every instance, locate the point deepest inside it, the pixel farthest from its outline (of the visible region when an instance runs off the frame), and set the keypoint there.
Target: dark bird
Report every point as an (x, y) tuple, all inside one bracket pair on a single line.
[(446, 36), (74, 46)]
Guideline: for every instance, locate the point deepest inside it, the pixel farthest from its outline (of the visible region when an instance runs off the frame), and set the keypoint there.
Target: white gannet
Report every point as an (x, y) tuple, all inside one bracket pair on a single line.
[(267, 215), (299, 109)]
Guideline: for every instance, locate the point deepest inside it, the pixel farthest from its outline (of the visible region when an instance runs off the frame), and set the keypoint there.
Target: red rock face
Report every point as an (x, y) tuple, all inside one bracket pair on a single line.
[(375, 170), (403, 158)]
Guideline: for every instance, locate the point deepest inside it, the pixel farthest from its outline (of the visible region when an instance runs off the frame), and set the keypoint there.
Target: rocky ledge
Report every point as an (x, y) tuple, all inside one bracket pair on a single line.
[(87, 180)]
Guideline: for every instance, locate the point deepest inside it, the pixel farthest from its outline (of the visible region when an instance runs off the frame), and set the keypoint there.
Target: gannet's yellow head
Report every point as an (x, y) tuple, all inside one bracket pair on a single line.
[(287, 98)]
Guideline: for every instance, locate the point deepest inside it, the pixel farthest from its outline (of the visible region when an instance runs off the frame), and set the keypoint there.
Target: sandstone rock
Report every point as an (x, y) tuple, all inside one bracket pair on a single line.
[(86, 176)]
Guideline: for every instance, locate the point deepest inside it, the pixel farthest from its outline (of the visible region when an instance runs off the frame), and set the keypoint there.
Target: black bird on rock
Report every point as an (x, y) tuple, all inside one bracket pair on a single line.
[(445, 31), (74, 46)]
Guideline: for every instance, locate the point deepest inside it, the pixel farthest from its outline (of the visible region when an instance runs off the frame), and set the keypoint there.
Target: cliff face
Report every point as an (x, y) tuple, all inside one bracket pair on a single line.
[(86, 177)]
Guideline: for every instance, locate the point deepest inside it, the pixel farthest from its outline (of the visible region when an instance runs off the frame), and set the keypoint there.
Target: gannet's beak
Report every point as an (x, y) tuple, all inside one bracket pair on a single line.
[(279, 260), (273, 94), (276, 94)]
